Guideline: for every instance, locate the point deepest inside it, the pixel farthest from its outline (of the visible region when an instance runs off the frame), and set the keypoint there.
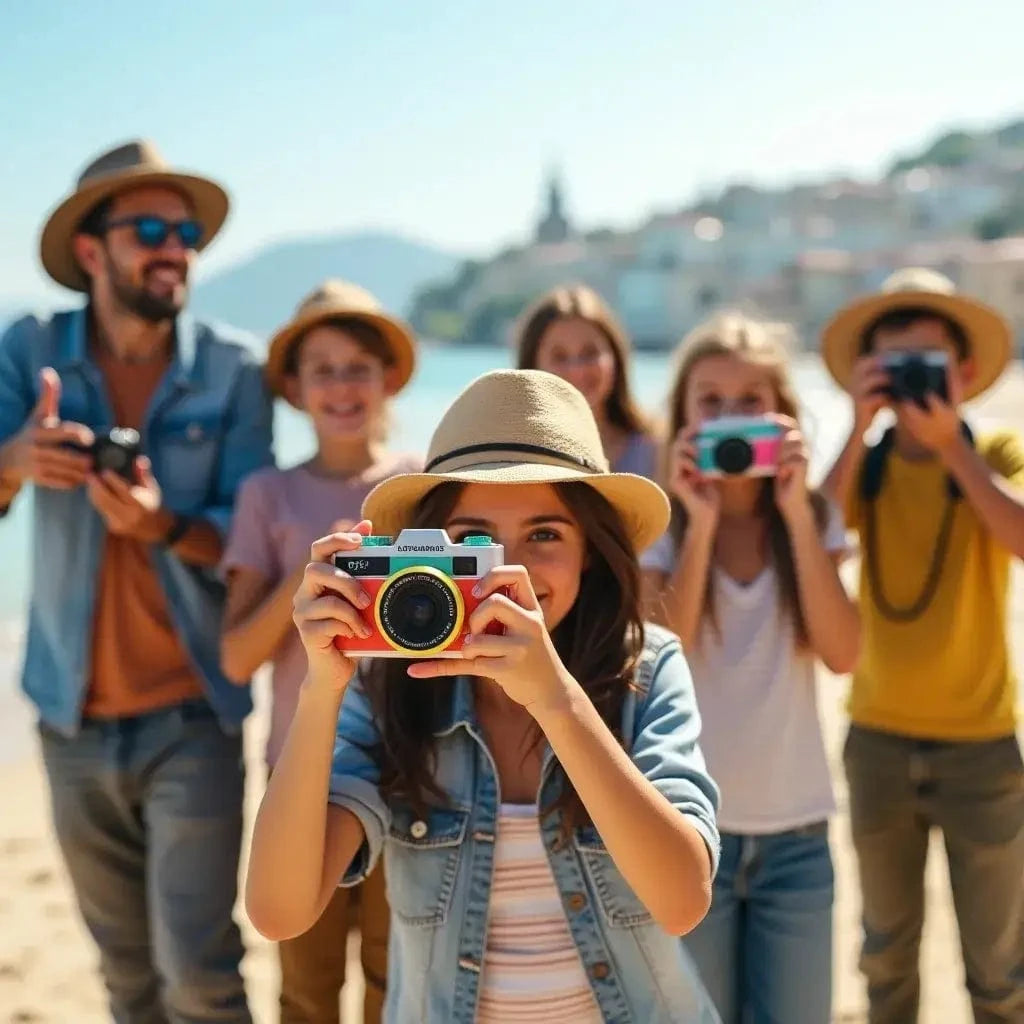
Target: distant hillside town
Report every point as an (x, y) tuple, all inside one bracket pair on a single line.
[(796, 253)]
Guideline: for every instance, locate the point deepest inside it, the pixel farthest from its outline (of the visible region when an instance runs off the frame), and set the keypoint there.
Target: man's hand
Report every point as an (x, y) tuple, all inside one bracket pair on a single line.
[(867, 389), (937, 425), (37, 452), (131, 509)]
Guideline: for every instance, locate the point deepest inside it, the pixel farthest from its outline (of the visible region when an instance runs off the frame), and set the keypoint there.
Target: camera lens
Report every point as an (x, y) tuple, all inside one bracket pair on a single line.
[(915, 377), (111, 456), (733, 455), (420, 611)]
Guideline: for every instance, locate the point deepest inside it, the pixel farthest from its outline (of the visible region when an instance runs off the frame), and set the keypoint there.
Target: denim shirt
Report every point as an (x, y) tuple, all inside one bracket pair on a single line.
[(208, 425), (439, 869)]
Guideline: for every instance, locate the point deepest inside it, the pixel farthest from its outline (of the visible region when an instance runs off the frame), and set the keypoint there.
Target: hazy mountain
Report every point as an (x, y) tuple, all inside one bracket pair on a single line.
[(957, 148), (261, 293)]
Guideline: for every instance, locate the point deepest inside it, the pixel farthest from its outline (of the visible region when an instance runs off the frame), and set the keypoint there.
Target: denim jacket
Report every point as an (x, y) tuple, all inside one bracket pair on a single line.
[(439, 869), (208, 425)]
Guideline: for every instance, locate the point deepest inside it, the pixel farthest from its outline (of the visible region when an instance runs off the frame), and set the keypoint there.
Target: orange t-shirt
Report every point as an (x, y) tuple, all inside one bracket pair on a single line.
[(139, 663)]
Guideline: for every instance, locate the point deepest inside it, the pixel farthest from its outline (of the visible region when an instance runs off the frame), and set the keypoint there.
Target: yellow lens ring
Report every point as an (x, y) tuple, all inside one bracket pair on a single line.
[(427, 570)]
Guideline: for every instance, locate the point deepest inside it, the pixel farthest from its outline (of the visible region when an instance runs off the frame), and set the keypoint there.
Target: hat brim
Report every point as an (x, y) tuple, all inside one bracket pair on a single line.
[(397, 336), (988, 335), (640, 503), (209, 201)]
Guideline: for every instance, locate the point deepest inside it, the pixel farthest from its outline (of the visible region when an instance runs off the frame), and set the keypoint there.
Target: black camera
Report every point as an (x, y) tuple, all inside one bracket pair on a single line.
[(913, 375), (115, 449)]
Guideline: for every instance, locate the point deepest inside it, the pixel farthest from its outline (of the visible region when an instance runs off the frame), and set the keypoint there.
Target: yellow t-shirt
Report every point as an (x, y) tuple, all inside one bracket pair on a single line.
[(947, 674)]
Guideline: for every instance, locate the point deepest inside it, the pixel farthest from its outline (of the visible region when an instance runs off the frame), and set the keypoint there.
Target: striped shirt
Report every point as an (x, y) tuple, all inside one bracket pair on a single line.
[(532, 972)]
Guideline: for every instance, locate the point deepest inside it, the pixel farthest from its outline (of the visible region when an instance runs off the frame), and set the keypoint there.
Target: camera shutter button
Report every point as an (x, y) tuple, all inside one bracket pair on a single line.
[(418, 829)]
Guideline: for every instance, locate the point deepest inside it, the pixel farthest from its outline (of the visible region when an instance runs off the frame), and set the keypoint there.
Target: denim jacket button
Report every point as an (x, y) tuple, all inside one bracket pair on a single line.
[(194, 432), (576, 901), (418, 829), (600, 970)]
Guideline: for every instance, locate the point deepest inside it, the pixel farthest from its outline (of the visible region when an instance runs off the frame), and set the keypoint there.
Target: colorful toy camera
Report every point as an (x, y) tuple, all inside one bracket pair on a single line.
[(913, 375), (421, 587), (738, 446)]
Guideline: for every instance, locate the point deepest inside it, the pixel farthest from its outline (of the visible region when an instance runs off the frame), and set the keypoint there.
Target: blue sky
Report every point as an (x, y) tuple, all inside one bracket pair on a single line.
[(438, 119)]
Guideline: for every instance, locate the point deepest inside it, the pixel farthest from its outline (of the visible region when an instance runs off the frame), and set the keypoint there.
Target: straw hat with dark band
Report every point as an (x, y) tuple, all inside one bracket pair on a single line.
[(520, 427), (332, 300), (133, 165), (988, 334)]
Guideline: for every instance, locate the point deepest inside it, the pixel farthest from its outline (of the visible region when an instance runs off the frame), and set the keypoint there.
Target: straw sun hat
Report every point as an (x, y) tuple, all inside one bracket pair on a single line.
[(133, 165), (328, 301), (520, 427), (988, 335)]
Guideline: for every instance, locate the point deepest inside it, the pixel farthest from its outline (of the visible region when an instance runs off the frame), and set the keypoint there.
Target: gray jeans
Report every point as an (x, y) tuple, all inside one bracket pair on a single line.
[(148, 813), (974, 792)]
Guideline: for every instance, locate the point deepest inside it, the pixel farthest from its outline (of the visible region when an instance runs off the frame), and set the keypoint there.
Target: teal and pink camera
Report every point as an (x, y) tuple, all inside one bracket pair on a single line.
[(738, 446), (421, 586)]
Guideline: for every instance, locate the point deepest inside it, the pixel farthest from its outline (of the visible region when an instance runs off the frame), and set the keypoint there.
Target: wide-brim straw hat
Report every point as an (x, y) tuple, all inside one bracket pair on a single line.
[(335, 299), (135, 164), (989, 341), (520, 427)]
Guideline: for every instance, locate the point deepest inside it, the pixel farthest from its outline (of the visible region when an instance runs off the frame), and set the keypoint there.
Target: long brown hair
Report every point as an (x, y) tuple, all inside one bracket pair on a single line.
[(580, 302), (753, 341), (599, 642)]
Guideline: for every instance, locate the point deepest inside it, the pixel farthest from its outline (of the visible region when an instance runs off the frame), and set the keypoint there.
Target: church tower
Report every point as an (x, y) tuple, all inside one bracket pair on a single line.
[(553, 226)]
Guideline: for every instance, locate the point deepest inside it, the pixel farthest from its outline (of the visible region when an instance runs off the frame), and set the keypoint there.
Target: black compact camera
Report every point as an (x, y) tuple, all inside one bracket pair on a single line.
[(913, 375), (115, 449)]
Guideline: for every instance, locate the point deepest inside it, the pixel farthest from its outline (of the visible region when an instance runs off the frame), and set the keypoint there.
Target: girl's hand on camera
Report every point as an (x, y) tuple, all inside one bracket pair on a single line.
[(523, 660), (791, 496), (700, 497), (326, 606)]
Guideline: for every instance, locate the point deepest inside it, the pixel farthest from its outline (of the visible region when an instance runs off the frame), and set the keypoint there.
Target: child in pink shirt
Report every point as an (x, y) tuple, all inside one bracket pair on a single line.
[(339, 360)]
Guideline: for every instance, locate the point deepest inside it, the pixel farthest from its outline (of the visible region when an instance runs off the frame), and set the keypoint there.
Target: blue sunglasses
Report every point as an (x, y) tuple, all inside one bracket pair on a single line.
[(151, 231)]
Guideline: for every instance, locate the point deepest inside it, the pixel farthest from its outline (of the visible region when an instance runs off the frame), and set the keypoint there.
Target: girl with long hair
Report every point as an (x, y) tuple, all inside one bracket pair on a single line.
[(747, 576), (572, 332), (546, 820)]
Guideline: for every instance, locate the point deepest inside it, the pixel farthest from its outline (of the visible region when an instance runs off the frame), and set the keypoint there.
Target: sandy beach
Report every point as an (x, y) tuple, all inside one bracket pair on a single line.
[(47, 962)]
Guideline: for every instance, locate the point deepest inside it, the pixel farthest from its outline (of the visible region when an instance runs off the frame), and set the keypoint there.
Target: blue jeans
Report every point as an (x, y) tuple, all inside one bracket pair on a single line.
[(900, 788), (764, 951), (148, 814)]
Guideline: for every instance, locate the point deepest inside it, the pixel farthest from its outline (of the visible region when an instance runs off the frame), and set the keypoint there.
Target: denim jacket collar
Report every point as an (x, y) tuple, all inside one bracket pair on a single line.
[(462, 712), (74, 346)]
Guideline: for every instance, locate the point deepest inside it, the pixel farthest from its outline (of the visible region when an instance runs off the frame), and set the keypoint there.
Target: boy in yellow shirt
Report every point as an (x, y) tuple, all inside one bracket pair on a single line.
[(932, 739)]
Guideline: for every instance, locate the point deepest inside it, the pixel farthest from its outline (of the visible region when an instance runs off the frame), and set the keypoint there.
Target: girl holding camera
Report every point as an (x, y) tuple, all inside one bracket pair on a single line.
[(339, 360), (747, 575), (572, 333), (545, 817)]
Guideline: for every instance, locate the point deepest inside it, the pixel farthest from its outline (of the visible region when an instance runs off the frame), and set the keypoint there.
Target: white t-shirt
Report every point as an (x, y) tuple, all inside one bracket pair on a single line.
[(757, 697)]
